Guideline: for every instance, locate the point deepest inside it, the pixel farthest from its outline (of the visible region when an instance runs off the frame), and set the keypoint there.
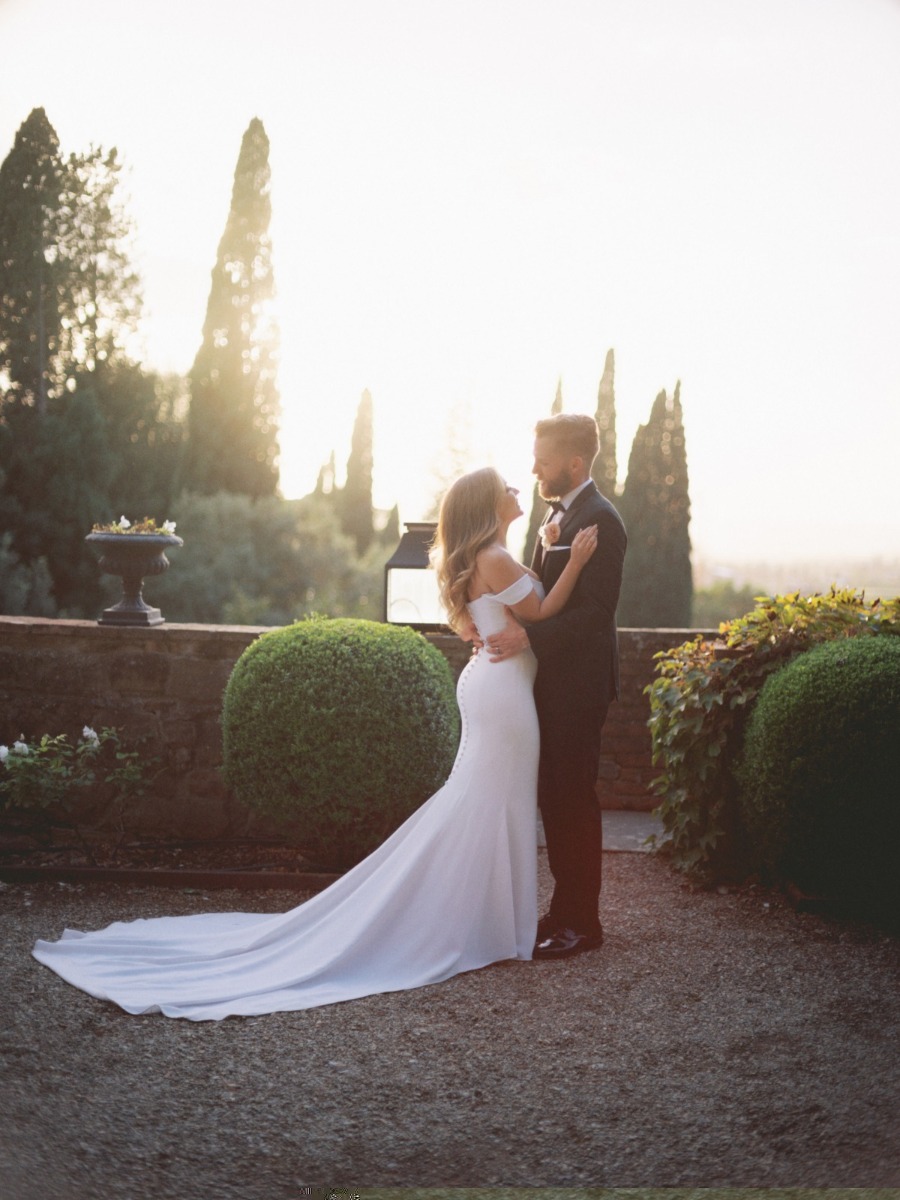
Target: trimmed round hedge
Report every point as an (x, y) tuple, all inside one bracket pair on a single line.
[(819, 775), (343, 727)]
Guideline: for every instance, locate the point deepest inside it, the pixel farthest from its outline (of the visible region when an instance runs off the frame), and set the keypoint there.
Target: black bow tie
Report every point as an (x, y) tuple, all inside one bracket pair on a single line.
[(557, 506)]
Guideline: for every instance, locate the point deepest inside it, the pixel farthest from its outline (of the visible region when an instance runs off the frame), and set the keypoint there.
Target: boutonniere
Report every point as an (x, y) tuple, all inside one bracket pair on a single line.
[(549, 534)]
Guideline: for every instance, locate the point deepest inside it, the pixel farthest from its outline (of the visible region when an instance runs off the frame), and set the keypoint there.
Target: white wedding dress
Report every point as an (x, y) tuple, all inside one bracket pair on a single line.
[(454, 888)]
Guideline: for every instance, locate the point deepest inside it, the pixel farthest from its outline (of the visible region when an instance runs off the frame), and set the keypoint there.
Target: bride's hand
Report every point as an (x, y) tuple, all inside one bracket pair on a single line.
[(584, 544), (468, 632)]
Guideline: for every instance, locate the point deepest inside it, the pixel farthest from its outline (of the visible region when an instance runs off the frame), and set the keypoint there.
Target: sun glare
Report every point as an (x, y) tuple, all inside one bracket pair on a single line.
[(470, 203)]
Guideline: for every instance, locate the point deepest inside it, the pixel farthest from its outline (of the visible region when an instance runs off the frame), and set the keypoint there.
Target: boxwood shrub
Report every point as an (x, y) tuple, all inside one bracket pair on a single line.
[(699, 704), (819, 777), (342, 727)]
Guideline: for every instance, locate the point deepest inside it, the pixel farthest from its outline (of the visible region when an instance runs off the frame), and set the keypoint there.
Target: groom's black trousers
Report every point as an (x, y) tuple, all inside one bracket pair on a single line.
[(570, 811)]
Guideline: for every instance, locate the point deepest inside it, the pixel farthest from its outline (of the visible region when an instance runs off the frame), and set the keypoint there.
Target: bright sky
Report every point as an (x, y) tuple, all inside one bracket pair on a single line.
[(473, 198)]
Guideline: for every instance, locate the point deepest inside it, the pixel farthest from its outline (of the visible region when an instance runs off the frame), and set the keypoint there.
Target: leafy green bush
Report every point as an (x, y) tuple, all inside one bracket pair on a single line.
[(343, 726), (699, 706), (820, 771), (44, 779), (264, 562)]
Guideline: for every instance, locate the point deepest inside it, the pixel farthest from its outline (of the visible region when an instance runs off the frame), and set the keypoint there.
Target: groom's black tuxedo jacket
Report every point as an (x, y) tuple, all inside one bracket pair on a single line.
[(577, 650)]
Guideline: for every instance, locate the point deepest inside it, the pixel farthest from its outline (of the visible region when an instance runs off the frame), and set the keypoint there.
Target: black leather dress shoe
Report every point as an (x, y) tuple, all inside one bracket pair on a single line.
[(566, 942), (546, 926)]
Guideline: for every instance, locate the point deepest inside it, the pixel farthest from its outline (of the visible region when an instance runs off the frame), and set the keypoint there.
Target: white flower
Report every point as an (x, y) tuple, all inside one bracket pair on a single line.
[(124, 522), (169, 526), (4, 753), (89, 735), (19, 748)]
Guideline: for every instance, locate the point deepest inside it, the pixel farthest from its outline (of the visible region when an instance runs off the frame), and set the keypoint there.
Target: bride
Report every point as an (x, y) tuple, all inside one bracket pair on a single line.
[(454, 888)]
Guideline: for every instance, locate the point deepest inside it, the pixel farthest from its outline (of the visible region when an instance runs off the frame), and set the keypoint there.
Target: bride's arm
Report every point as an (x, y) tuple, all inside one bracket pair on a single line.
[(499, 570)]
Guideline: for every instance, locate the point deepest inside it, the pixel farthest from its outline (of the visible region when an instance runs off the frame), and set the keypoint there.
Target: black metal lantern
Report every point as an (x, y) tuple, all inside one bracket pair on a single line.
[(410, 584)]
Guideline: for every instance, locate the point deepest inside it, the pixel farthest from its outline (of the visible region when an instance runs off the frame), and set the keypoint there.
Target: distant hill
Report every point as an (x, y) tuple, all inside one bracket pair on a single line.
[(876, 576)]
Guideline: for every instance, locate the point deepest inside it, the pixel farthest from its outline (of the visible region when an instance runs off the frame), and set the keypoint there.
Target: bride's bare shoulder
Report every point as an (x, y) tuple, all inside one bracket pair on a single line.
[(493, 555), (497, 567)]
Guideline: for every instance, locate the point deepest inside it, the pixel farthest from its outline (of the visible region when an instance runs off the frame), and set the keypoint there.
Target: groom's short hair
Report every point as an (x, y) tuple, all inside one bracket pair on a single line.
[(572, 433)]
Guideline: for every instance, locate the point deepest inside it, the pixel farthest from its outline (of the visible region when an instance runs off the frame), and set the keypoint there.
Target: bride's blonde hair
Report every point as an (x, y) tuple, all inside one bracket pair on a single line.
[(468, 522)]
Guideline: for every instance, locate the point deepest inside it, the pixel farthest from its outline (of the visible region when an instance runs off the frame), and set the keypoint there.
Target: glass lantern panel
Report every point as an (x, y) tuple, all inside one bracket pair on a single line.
[(412, 597)]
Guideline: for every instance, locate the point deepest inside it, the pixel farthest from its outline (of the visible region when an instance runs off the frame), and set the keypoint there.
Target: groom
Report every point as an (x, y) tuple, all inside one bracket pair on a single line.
[(577, 677)]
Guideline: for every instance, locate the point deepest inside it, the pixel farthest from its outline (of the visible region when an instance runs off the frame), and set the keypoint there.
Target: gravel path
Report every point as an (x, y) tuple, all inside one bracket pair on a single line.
[(715, 1040)]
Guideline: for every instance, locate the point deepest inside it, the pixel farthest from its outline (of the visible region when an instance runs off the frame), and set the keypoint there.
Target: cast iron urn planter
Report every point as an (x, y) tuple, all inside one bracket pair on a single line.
[(133, 556)]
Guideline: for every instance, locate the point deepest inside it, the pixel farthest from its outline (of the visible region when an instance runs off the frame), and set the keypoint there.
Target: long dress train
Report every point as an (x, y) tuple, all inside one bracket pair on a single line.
[(454, 888)]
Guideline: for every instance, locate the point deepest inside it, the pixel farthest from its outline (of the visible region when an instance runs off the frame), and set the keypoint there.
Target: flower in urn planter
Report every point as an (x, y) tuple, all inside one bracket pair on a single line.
[(147, 526)]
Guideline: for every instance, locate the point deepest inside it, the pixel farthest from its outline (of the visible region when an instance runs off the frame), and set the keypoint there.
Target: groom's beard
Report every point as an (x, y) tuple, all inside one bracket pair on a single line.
[(558, 486)]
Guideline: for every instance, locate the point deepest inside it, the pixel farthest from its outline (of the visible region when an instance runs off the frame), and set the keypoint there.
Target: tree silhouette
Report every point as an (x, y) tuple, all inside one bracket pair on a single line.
[(105, 290), (32, 269), (657, 585), (75, 413), (355, 498), (69, 296), (233, 416), (390, 534), (325, 485), (604, 470)]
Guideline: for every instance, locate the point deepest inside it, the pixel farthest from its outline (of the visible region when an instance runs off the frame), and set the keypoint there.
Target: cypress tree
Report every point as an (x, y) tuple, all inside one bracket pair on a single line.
[(678, 540), (539, 506), (325, 480), (355, 500), (32, 269), (233, 417), (390, 534), (69, 296), (657, 585), (604, 471)]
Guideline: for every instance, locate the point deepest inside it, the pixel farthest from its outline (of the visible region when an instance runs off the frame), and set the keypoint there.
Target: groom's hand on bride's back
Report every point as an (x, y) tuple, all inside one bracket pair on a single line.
[(509, 641)]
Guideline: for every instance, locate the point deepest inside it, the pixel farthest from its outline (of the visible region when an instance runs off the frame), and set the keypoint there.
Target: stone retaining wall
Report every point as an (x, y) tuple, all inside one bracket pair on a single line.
[(165, 684)]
